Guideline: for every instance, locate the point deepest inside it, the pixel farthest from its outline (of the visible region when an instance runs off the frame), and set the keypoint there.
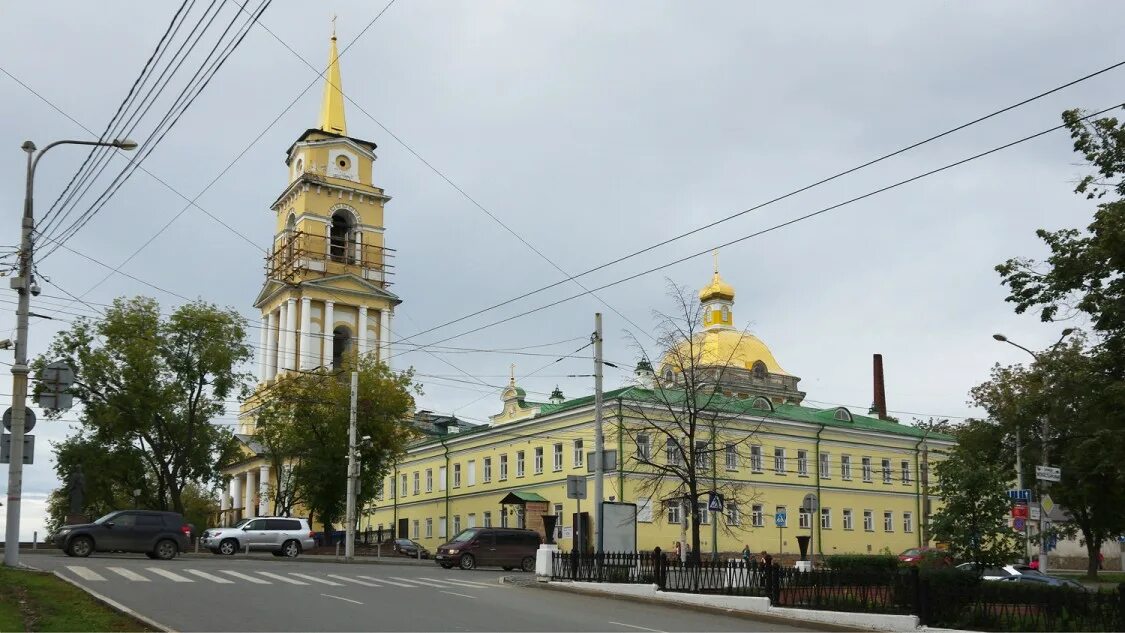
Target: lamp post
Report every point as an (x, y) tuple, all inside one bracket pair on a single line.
[(1044, 421), (25, 286)]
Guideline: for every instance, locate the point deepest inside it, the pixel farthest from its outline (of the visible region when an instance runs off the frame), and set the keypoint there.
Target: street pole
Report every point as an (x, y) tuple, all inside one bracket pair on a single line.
[(349, 539), (599, 441), (1043, 511), (1019, 486)]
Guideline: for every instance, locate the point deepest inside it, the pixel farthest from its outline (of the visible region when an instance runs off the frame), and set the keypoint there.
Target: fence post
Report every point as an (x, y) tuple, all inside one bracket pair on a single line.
[(773, 591), (574, 564), (658, 567)]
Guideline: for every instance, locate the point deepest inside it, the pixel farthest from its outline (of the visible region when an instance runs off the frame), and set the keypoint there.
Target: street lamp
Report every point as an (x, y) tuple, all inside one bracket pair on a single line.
[(25, 286), (1045, 423)]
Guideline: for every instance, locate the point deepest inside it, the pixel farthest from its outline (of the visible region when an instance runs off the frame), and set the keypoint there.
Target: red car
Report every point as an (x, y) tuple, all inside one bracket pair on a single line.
[(915, 555)]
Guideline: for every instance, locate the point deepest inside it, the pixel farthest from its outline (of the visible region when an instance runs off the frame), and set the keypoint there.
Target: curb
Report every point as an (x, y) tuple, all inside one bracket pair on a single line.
[(749, 615), (113, 604)]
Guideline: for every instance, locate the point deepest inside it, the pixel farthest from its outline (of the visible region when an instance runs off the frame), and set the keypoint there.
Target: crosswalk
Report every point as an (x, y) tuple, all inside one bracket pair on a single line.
[(229, 576)]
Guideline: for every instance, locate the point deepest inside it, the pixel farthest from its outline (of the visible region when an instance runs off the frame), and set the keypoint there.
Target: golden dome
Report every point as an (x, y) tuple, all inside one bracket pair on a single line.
[(717, 289), (731, 348)]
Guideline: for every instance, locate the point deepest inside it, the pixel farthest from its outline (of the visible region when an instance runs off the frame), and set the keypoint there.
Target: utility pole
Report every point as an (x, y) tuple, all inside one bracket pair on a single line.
[(1043, 511), (599, 441), (349, 539)]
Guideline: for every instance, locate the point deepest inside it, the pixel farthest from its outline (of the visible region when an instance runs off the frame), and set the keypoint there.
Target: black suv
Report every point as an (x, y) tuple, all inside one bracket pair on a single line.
[(156, 534)]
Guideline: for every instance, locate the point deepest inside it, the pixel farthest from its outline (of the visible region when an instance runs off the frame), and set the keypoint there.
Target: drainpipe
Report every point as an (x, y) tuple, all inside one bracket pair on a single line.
[(819, 501), (620, 455), (441, 438), (918, 489), (394, 495)]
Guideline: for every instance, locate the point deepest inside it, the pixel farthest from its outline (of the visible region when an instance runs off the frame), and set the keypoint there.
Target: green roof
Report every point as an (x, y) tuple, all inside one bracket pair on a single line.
[(517, 496)]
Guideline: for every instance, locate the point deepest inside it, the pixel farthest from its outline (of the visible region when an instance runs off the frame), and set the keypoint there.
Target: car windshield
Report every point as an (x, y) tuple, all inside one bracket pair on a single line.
[(240, 523), (914, 551), (108, 517), (465, 535)]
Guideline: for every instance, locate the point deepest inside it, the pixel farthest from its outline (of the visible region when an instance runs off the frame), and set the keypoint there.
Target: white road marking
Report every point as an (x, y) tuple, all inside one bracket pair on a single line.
[(85, 572), (634, 626), (211, 577), (358, 582), (452, 593), (464, 583), (315, 579), (282, 578), (173, 576), (246, 577), (422, 582), (128, 574), (327, 595), (390, 582)]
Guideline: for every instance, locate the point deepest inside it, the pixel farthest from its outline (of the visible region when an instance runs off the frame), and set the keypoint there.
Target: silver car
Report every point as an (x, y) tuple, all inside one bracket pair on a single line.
[(282, 536)]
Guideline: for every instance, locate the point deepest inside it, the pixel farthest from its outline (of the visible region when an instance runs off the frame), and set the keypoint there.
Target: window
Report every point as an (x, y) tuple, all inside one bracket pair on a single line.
[(487, 469), (487, 518), (578, 454), (429, 528), (441, 478), (472, 520), (726, 314), (644, 511), (416, 529), (342, 237), (403, 479), (778, 511), (559, 514), (907, 521), (472, 471), (702, 514), (341, 346), (733, 516), (417, 482), (886, 471), (906, 471), (644, 447), (558, 457), (673, 512), (888, 521), (672, 452), (868, 521), (757, 517), (457, 524), (519, 463), (732, 457), (538, 460), (503, 467), (846, 467), (441, 527), (866, 461), (847, 518), (429, 480), (391, 486), (379, 490), (457, 475), (702, 454), (803, 463), (756, 459), (804, 519), (826, 518), (503, 519), (779, 461), (759, 369), (825, 466)]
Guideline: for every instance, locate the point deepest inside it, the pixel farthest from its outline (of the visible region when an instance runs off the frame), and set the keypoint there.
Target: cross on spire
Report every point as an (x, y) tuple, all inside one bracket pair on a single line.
[(715, 255)]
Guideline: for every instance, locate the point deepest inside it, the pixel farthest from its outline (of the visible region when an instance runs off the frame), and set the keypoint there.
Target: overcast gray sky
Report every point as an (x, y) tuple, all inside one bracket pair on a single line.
[(593, 129)]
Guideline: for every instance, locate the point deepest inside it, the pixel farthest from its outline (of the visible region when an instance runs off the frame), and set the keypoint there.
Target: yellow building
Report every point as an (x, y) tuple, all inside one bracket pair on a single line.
[(770, 452), (326, 293)]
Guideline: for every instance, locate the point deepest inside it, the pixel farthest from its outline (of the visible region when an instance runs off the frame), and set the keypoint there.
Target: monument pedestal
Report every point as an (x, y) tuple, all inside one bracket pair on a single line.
[(544, 557), (804, 565)]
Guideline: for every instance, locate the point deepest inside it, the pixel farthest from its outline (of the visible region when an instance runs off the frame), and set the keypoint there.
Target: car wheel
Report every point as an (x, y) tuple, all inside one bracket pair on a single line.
[(165, 550), (447, 565), (291, 549), (228, 547), (80, 546), (528, 563), (468, 561)]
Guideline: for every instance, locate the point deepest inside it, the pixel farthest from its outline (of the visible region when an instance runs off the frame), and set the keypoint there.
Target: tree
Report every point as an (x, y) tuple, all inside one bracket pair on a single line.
[(151, 387), (973, 517), (685, 413), (303, 421)]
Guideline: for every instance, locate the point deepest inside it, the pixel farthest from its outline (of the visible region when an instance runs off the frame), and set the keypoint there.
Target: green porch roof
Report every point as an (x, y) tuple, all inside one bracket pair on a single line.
[(521, 496)]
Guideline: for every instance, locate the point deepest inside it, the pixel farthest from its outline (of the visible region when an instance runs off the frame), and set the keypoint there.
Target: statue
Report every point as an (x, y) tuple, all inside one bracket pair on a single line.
[(76, 491)]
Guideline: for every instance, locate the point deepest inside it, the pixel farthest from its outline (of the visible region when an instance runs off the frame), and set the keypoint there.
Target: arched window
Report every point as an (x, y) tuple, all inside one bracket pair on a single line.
[(842, 415), (726, 314), (759, 369), (290, 237), (342, 237), (668, 375), (762, 403), (341, 346)]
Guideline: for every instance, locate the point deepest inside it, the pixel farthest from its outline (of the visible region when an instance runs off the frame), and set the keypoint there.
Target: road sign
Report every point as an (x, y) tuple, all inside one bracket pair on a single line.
[(1019, 524), (1019, 511), (714, 502), (28, 419), (1048, 473), (779, 519), (575, 487), (609, 465), (1019, 495), (6, 449), (1047, 504), (809, 503), (1034, 513), (55, 379)]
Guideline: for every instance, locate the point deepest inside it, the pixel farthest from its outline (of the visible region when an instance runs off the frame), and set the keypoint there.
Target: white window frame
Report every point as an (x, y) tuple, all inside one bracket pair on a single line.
[(733, 516), (538, 460), (442, 476), (429, 480), (487, 468), (416, 529), (579, 456), (868, 520), (826, 518), (887, 474), (779, 460), (471, 471), (487, 518), (672, 452), (520, 463), (804, 519), (441, 525), (755, 458), (757, 515), (802, 463), (457, 475), (825, 465), (644, 447), (849, 522), (405, 484), (908, 522), (417, 482), (504, 467), (866, 462), (703, 513), (906, 472), (429, 527), (702, 454), (888, 521), (456, 524), (673, 511), (846, 467), (472, 520), (557, 456), (731, 454)]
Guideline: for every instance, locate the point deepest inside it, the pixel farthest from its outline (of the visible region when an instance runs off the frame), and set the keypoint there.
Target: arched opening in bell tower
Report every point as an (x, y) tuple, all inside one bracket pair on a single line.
[(342, 237), (341, 346)]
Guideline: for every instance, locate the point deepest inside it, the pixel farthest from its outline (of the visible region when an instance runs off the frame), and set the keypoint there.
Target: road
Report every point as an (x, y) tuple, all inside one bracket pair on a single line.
[(266, 594)]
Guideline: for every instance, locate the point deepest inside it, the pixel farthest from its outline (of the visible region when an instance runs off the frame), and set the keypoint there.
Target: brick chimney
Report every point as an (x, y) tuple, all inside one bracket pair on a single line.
[(880, 388)]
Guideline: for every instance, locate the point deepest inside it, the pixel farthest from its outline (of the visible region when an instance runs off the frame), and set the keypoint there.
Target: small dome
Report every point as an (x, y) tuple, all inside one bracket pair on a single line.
[(557, 394), (643, 366), (717, 289)]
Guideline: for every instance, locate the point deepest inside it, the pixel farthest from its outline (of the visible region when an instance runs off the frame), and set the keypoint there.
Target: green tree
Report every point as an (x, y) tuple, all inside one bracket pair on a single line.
[(151, 387)]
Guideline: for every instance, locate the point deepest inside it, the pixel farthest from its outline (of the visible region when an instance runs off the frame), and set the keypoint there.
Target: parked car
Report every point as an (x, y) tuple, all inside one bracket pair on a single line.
[(282, 536), (160, 535), (1051, 581), (490, 547), (915, 555), (1002, 572), (407, 547)]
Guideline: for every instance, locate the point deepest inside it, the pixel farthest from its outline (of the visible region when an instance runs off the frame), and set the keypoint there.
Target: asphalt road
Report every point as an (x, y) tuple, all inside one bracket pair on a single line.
[(266, 594)]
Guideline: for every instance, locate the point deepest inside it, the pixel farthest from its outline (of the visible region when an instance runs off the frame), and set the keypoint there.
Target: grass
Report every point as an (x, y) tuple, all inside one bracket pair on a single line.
[(1113, 577), (35, 601)]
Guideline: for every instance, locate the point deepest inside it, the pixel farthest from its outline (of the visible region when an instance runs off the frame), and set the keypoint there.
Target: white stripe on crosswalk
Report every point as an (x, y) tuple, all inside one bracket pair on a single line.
[(358, 582), (242, 576), (211, 577), (85, 573), (461, 583), (170, 575), (282, 578), (428, 583), (315, 579), (128, 574), (390, 582)]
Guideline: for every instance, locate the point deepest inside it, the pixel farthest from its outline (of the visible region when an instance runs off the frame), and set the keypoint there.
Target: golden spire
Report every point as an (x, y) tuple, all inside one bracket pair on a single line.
[(332, 107), (717, 289)]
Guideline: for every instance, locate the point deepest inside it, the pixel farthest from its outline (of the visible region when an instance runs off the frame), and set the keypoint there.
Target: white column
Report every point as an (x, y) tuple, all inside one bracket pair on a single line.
[(282, 336), (385, 337), (329, 323), (361, 330), (263, 350), (263, 490), (249, 492), (224, 507), (291, 334), (236, 491), (306, 325), (271, 346)]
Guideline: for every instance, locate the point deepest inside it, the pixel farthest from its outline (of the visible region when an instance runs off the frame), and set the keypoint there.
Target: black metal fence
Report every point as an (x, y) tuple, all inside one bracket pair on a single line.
[(945, 598)]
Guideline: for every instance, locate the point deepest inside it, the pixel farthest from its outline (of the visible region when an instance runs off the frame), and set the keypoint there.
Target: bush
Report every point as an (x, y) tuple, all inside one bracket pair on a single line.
[(862, 562)]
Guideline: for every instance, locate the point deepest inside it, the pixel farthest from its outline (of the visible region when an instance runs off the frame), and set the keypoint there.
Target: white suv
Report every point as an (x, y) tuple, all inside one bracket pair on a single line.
[(282, 536)]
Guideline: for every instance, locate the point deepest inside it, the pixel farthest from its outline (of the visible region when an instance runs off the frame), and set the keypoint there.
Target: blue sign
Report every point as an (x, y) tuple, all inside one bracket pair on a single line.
[(1052, 542), (779, 519), (714, 502), (1019, 495), (1019, 524)]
